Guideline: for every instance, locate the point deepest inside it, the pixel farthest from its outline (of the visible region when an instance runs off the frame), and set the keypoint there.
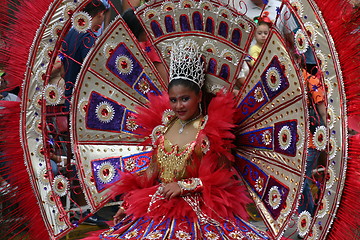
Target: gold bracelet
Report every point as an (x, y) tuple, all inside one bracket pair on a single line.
[(190, 185)]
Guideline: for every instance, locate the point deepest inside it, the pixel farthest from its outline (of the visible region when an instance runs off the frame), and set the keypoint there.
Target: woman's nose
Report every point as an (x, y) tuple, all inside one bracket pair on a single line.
[(178, 104)]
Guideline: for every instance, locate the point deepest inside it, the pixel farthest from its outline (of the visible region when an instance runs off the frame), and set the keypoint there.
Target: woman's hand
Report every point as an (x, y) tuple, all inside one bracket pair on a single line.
[(120, 214), (171, 190)]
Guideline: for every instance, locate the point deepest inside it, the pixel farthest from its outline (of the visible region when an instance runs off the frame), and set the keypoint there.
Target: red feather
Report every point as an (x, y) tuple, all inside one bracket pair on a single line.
[(151, 116), (343, 23), (18, 30), (21, 209)]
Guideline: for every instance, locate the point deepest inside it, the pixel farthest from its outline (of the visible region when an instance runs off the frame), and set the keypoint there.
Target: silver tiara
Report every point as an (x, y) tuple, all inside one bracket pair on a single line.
[(186, 63)]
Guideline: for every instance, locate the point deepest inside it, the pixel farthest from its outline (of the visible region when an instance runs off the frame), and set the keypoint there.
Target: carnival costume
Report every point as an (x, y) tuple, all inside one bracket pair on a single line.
[(212, 202), (116, 77)]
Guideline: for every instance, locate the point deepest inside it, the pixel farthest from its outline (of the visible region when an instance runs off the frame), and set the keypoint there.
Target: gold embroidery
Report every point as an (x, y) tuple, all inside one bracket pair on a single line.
[(174, 162)]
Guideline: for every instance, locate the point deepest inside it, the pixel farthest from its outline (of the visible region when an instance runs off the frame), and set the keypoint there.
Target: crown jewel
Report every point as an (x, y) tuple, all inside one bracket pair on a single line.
[(186, 62)]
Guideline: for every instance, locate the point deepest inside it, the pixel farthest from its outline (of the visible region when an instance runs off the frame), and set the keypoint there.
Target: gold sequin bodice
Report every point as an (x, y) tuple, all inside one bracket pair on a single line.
[(173, 160)]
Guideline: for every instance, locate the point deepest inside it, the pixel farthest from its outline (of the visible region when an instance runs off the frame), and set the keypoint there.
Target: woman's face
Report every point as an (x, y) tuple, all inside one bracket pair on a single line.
[(184, 102)]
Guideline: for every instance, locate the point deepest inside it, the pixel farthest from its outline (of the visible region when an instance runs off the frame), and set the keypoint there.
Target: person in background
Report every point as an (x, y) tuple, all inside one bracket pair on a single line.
[(135, 26), (261, 34), (107, 16), (317, 117), (253, 8), (77, 45), (5, 95)]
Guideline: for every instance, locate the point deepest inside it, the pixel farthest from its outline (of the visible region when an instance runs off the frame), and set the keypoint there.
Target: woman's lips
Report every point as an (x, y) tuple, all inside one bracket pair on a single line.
[(181, 113)]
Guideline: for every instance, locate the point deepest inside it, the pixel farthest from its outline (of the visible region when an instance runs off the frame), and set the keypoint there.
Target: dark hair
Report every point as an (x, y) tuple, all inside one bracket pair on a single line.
[(264, 23), (94, 7), (133, 22), (186, 83)]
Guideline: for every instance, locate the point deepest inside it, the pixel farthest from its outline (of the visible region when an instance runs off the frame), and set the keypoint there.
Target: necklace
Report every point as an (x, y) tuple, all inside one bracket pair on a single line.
[(183, 124)]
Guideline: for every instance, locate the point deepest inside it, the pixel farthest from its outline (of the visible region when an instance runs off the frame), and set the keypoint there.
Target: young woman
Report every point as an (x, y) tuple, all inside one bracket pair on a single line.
[(189, 190)]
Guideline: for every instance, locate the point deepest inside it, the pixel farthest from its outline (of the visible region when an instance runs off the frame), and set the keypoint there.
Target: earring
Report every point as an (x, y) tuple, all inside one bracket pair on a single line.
[(200, 108)]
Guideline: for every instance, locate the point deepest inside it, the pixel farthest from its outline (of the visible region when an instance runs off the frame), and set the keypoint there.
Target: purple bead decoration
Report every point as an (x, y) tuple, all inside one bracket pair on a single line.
[(223, 29), (135, 78), (212, 66), (144, 86), (198, 21), (209, 25), (282, 136), (169, 24), (283, 193), (225, 72), (252, 174), (184, 23), (283, 81), (96, 167), (156, 28), (236, 37), (92, 120), (256, 139), (136, 163), (252, 102), (137, 68)]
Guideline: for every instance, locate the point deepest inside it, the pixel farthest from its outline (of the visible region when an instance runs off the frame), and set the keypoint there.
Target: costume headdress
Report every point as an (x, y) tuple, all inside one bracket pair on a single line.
[(186, 62)]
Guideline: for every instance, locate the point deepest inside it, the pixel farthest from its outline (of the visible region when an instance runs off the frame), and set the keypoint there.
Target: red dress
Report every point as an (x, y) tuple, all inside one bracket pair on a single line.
[(214, 211)]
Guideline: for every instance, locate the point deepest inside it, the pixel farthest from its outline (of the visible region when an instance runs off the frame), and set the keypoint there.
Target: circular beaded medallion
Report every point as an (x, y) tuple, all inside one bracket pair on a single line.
[(105, 112), (274, 197), (109, 49), (319, 138), (43, 175), (301, 42), (69, 10), (273, 78), (106, 172), (209, 47), (83, 106), (50, 198), (284, 137), (124, 64), (303, 223), (311, 32), (130, 164), (267, 137), (53, 94), (229, 55), (323, 207), (81, 21), (60, 185)]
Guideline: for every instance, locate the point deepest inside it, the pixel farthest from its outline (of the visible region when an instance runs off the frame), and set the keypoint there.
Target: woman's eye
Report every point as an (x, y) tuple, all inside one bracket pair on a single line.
[(185, 99), (172, 100)]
